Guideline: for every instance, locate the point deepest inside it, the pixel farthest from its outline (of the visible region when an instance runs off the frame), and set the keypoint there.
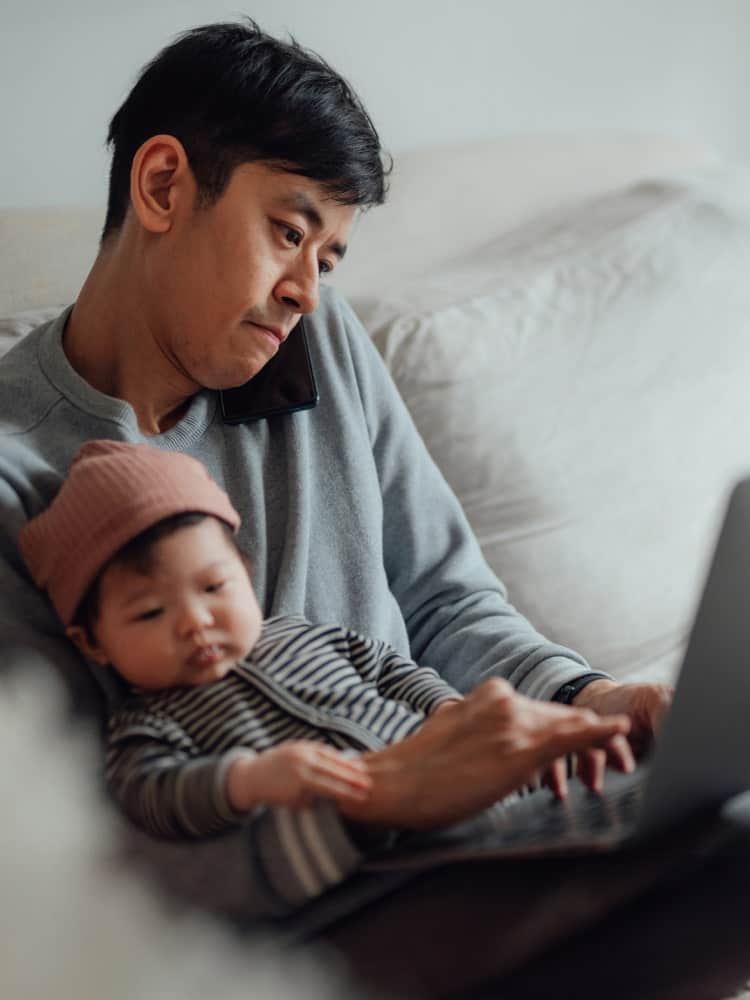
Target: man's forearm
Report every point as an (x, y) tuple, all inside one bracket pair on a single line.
[(479, 750)]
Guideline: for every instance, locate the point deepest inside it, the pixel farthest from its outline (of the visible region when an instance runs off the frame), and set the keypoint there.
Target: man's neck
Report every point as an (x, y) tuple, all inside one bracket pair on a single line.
[(110, 344)]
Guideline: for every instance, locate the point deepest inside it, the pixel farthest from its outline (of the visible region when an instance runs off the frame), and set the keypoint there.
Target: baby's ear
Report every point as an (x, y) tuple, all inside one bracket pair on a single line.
[(89, 648)]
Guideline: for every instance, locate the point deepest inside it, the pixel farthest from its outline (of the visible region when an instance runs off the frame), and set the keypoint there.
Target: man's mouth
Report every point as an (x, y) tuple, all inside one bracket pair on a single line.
[(277, 332)]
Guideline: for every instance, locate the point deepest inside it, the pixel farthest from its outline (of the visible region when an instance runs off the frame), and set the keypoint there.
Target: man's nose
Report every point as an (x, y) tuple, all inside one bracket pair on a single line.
[(300, 288)]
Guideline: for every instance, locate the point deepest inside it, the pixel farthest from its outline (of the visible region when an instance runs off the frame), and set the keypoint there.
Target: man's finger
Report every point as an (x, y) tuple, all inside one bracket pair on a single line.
[(556, 778), (620, 754), (591, 767), (583, 730)]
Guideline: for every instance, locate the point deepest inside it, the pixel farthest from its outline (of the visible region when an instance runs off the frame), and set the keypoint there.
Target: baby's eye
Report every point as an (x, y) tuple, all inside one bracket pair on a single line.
[(211, 588), (145, 616)]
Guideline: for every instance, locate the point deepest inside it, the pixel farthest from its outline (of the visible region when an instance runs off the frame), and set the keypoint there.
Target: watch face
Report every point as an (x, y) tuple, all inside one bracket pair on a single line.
[(567, 692)]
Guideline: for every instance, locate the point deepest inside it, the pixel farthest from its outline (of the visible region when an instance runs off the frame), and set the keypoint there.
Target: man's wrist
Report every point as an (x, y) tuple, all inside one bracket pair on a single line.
[(570, 693), (587, 698)]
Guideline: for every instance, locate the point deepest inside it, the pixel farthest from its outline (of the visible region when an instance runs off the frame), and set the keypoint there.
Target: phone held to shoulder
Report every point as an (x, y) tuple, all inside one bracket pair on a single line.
[(284, 384)]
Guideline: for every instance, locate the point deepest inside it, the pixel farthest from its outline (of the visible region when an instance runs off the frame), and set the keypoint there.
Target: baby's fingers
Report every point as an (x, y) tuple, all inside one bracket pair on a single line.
[(342, 793), (344, 779), (349, 769)]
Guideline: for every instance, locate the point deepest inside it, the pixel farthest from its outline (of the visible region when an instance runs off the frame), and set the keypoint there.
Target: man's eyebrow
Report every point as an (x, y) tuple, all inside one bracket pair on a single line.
[(298, 201)]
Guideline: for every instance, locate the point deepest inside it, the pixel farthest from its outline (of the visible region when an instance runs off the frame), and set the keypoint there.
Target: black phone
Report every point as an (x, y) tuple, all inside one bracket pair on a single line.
[(284, 384)]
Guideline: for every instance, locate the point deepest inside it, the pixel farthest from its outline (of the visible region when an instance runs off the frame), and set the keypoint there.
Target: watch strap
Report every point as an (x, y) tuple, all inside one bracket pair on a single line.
[(569, 690)]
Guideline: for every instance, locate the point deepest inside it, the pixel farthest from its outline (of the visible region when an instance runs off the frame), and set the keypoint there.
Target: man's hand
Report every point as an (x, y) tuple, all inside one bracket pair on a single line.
[(473, 753), (590, 766), (296, 774), (644, 704)]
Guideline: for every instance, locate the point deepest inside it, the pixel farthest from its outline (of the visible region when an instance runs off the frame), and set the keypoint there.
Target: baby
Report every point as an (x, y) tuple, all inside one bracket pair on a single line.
[(233, 720), (226, 712)]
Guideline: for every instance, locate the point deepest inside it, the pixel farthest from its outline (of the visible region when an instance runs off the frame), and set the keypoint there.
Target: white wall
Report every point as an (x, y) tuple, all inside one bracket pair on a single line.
[(430, 71)]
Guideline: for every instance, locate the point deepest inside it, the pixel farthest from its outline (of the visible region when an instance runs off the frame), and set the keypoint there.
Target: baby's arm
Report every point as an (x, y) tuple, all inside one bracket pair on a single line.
[(396, 676), (166, 785), (295, 774), (166, 789)]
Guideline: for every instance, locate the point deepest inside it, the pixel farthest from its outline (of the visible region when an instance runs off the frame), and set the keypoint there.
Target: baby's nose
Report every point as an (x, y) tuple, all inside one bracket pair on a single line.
[(195, 617)]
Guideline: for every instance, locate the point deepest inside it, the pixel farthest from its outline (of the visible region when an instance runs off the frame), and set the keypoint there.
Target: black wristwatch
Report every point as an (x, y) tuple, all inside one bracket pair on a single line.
[(566, 694)]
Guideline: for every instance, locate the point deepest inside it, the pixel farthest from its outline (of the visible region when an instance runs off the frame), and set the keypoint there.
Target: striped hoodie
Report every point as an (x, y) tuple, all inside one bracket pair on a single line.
[(169, 750)]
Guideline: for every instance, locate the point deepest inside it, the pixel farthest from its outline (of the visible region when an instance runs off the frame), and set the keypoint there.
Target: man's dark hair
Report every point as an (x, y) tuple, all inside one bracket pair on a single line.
[(233, 94)]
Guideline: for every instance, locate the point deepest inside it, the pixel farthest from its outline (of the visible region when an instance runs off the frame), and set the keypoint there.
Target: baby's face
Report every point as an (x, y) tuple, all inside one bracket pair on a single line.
[(186, 621)]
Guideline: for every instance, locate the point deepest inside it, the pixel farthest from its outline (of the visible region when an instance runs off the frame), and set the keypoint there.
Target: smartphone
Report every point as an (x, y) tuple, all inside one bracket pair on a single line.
[(284, 384)]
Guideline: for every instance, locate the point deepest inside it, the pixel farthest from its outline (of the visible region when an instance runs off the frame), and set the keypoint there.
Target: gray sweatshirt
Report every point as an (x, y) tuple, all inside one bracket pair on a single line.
[(346, 517)]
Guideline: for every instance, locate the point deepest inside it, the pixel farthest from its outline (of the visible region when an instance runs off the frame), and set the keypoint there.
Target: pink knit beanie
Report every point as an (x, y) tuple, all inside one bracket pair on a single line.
[(113, 492)]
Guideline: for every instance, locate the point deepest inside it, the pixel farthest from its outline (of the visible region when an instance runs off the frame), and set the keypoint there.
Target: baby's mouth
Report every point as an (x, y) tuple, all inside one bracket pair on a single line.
[(205, 656)]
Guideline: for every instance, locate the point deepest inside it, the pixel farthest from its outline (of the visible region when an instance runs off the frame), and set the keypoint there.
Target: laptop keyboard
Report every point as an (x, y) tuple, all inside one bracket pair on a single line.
[(532, 823), (583, 816)]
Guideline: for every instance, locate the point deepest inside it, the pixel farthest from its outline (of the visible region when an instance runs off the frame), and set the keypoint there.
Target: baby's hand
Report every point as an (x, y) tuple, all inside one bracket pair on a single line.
[(295, 774), (444, 706)]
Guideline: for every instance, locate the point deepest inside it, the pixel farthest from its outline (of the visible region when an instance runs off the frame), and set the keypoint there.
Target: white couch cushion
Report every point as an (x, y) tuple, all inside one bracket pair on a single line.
[(450, 200), (584, 384)]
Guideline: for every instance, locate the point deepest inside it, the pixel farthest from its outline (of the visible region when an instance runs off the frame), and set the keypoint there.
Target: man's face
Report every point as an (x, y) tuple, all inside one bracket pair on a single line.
[(186, 620), (228, 283)]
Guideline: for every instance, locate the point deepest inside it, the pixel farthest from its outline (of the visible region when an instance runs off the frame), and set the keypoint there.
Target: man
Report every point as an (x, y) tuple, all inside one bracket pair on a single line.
[(239, 164)]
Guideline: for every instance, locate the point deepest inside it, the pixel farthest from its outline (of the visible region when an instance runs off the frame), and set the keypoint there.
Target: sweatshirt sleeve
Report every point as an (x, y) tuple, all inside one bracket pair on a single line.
[(457, 612), (31, 636), (162, 783), (171, 793)]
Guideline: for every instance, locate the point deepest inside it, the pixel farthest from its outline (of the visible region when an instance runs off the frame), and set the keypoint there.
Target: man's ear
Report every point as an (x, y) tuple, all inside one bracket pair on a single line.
[(161, 181), (87, 645)]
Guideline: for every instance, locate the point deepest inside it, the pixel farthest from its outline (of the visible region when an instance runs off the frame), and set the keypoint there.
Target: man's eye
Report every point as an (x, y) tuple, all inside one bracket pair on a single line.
[(324, 267), (293, 236)]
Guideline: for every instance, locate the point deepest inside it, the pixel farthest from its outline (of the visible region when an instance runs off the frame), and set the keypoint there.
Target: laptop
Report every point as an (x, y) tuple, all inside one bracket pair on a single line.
[(700, 760)]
